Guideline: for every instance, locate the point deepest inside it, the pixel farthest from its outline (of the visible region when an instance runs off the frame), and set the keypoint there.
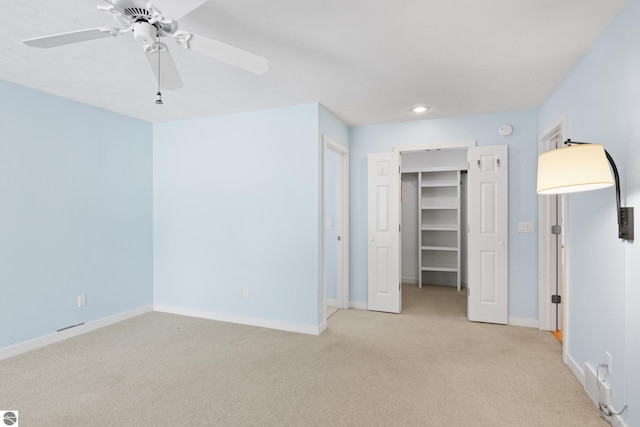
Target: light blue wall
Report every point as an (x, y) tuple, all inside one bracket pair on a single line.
[(236, 206), (75, 191), (601, 98), (523, 291)]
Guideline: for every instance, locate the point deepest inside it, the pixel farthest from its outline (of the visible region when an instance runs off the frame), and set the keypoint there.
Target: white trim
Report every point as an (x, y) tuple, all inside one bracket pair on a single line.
[(560, 121), (546, 313), (616, 420), (412, 148), (410, 280), (45, 340), (321, 328), (434, 146), (575, 368), (547, 244), (243, 320), (527, 323), (357, 305), (547, 258), (343, 212), (332, 302)]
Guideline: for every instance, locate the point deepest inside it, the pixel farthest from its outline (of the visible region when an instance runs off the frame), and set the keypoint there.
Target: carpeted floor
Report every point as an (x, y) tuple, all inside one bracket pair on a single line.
[(428, 366)]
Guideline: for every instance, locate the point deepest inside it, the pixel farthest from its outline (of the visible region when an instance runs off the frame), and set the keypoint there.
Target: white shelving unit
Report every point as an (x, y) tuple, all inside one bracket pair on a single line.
[(439, 224)]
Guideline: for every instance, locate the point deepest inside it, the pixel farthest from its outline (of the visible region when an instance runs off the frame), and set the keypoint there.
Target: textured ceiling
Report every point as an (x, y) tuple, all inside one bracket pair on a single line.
[(366, 61)]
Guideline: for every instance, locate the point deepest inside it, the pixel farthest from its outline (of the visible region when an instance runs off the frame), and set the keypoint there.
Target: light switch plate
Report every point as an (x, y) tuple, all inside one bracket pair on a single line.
[(525, 227)]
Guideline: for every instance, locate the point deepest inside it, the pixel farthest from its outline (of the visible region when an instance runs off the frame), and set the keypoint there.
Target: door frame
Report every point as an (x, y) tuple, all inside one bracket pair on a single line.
[(551, 262), (342, 225), (399, 150)]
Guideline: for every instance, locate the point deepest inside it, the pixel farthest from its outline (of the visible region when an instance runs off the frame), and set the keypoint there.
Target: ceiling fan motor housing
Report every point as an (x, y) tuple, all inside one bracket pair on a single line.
[(145, 32)]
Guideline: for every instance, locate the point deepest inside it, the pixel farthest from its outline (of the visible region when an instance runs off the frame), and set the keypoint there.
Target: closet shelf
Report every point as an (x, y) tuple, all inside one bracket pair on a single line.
[(439, 184), (439, 216), (439, 248), (439, 206), (439, 268), (433, 227)]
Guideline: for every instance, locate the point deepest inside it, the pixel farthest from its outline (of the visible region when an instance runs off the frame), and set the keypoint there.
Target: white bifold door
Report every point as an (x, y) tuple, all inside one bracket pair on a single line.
[(488, 249), (487, 253), (385, 292)]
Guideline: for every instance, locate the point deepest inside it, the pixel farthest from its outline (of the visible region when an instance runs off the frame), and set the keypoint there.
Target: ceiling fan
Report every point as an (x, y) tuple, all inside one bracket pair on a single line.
[(149, 24)]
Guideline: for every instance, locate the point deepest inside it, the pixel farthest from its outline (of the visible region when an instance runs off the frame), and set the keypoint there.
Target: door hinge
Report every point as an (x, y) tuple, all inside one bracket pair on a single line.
[(556, 299), (556, 229)]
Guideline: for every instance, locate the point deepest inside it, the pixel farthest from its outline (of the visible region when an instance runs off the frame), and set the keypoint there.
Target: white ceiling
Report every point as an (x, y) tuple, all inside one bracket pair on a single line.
[(367, 61)]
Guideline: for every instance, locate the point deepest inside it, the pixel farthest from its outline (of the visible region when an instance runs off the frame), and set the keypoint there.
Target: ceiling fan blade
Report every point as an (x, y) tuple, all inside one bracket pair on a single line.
[(229, 54), (166, 74), (68, 38), (175, 10)]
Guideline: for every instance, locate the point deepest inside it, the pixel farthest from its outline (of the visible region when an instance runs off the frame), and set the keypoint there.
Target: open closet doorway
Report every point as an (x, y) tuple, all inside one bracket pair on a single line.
[(440, 225), (335, 221), (434, 217), (552, 295)]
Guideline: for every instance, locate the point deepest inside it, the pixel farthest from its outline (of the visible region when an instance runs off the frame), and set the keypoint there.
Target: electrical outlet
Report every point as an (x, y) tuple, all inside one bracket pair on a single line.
[(82, 300), (609, 363), (245, 294)]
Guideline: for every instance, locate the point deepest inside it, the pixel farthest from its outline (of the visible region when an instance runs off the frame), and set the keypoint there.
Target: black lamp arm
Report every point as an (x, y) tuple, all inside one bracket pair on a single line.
[(625, 215)]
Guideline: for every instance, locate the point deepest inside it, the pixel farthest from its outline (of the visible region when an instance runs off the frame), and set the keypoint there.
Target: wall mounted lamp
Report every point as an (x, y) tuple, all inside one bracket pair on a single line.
[(582, 166)]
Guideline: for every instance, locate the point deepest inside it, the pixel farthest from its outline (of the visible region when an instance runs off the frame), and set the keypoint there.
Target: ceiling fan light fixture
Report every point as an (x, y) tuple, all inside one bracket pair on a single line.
[(420, 109), (144, 32)]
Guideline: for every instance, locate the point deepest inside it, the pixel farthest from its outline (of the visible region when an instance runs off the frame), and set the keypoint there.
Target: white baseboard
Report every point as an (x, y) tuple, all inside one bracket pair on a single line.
[(575, 368), (615, 420), (323, 327), (527, 323), (243, 320), (410, 280), (39, 342), (358, 305), (332, 302)]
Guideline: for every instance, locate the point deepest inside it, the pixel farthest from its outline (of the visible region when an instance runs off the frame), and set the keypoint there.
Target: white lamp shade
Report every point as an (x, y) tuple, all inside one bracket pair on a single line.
[(579, 167)]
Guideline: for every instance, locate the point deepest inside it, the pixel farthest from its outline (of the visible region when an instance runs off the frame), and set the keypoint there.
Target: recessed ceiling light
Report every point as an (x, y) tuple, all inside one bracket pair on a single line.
[(420, 109)]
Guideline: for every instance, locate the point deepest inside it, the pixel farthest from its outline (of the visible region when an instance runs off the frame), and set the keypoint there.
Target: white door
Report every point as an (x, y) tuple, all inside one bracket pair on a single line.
[(488, 234), (384, 233)]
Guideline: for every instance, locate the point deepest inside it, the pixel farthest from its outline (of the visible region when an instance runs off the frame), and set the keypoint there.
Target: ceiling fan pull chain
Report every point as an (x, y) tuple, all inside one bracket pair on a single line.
[(159, 94)]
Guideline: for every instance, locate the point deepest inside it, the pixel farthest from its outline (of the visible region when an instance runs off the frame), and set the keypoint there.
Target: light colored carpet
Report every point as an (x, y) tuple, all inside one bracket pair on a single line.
[(425, 367)]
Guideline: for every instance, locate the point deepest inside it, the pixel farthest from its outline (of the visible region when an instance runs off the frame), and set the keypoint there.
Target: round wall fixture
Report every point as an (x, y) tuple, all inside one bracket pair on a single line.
[(505, 130)]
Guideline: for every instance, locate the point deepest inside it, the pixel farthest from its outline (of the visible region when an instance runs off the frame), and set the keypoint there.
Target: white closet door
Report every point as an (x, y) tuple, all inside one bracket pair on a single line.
[(384, 233), (488, 234)]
